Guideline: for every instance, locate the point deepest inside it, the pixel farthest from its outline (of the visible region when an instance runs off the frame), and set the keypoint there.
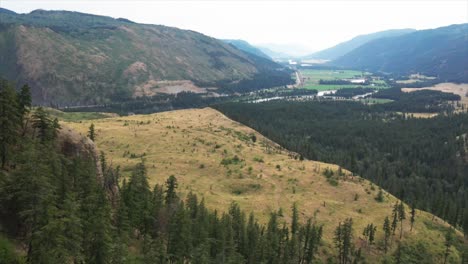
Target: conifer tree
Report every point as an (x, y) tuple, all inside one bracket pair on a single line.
[(394, 218), (10, 120), (179, 244), (449, 238), (343, 240), (369, 233), (137, 198), (294, 220), (46, 128), (401, 217), (24, 105), (413, 215), (91, 132), (387, 233), (171, 186)]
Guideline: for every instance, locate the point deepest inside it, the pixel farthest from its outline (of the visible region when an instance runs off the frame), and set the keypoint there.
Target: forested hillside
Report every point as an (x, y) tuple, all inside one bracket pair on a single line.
[(347, 46), (422, 161), (439, 52), (247, 47), (72, 58)]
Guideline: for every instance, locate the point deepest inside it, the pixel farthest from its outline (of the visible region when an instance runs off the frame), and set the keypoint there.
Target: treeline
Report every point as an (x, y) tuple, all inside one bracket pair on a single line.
[(350, 92), (422, 161), (424, 101), (62, 205), (152, 104), (176, 231), (262, 80)]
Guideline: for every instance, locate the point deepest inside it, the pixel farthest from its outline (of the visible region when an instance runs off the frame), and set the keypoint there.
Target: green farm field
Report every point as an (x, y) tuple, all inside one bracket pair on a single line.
[(312, 77)]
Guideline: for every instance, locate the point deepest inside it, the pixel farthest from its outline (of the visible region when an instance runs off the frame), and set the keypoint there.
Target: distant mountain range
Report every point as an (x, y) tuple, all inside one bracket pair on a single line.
[(283, 51), (71, 58), (247, 47), (440, 52), (347, 46)]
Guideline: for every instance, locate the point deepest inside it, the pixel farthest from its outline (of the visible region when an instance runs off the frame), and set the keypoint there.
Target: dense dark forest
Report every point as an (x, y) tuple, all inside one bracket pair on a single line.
[(422, 161), (425, 101), (350, 92)]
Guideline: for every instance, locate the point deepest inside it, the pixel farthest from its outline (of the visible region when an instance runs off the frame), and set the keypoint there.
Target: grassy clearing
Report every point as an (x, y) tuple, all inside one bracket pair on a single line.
[(220, 160)]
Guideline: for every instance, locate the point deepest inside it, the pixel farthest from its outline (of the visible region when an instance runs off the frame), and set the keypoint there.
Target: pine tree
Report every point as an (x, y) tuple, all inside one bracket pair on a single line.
[(171, 186), (33, 192), (413, 214), (138, 199), (394, 218), (179, 238), (10, 120), (387, 232), (380, 196), (294, 220), (45, 127), (449, 238), (157, 217), (401, 217), (24, 100), (24, 104), (91, 132), (369, 233), (95, 213), (343, 241), (272, 239), (253, 234), (313, 236)]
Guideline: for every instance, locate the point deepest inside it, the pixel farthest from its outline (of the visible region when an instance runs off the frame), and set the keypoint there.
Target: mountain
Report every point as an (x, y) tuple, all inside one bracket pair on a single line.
[(71, 58), (247, 47), (347, 46), (6, 11), (441, 52), (283, 51)]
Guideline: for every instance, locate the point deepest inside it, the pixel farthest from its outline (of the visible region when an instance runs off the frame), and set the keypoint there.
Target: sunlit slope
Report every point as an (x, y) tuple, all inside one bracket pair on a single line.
[(193, 144)]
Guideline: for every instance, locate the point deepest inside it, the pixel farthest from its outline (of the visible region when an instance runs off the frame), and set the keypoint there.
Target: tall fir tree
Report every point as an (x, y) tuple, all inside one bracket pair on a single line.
[(10, 120)]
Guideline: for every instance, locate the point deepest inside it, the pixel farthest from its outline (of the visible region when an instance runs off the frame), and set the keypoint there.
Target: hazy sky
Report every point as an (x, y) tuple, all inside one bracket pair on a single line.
[(311, 24)]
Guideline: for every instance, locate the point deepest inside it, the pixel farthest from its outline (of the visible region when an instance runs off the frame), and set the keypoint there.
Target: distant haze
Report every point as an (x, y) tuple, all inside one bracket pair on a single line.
[(306, 26)]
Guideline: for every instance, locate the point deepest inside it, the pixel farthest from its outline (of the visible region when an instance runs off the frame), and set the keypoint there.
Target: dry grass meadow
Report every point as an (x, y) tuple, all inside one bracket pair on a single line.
[(192, 145)]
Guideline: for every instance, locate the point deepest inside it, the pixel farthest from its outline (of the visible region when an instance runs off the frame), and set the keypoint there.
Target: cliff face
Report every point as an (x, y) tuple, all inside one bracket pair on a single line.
[(74, 145)]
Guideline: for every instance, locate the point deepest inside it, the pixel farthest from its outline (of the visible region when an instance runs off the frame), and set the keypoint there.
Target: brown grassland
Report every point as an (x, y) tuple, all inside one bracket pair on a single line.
[(192, 145)]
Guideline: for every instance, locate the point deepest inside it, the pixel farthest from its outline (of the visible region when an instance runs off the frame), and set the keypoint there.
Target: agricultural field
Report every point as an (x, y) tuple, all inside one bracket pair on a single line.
[(224, 161), (311, 78)]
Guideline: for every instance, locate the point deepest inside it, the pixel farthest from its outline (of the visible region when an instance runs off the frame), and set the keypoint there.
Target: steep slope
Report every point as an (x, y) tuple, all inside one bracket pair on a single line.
[(347, 46), (73, 58), (441, 52), (247, 47), (224, 161)]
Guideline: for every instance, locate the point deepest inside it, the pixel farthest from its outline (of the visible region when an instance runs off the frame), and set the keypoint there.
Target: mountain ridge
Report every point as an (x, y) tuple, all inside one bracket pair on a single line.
[(440, 52), (72, 58), (247, 47), (344, 47)]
